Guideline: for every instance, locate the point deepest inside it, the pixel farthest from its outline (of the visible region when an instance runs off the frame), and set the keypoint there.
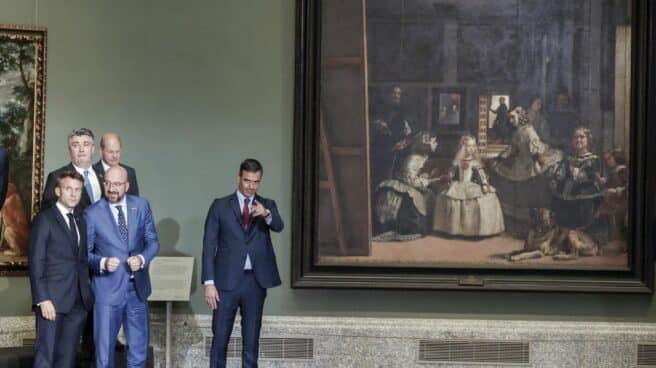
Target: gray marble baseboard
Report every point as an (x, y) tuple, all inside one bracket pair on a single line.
[(394, 342)]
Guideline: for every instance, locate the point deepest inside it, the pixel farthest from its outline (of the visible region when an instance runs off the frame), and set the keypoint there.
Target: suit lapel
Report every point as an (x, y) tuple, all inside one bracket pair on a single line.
[(132, 220), (100, 175), (234, 204), (64, 225), (110, 217)]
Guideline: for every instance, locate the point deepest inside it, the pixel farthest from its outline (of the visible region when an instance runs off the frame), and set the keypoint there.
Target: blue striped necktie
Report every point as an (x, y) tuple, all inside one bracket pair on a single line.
[(122, 225), (87, 186)]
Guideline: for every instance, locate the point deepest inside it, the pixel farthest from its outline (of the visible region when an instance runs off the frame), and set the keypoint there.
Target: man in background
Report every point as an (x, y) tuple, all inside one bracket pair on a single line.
[(110, 150), (59, 276), (80, 149)]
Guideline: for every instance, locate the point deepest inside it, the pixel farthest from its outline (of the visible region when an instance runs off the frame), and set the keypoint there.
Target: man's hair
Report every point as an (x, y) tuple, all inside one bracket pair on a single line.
[(81, 132), (102, 140), (250, 165), (69, 174)]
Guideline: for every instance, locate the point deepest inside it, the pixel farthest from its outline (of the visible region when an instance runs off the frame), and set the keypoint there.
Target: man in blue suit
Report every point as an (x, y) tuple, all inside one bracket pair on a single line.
[(59, 276), (239, 263), (122, 241)]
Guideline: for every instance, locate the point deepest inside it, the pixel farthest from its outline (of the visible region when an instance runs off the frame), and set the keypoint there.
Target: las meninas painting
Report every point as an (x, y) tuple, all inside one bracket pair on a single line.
[(490, 133)]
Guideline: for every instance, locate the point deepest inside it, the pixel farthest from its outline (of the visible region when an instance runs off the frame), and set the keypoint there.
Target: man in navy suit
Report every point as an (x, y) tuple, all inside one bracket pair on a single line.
[(122, 241), (239, 263), (59, 276), (110, 150)]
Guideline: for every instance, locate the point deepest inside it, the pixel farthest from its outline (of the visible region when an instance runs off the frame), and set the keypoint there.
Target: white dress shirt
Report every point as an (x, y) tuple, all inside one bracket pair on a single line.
[(93, 179), (268, 219)]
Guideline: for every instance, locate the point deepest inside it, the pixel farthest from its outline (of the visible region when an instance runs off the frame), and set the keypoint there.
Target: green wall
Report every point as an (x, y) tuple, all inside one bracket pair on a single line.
[(195, 86)]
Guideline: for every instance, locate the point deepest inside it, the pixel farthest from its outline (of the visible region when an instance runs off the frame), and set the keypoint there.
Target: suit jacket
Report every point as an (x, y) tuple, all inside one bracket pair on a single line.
[(4, 175), (132, 176), (58, 267), (104, 240), (50, 198), (226, 243)]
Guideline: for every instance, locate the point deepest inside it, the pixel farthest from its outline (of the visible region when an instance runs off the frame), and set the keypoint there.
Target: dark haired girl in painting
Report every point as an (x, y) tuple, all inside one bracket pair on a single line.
[(469, 206), (577, 190), (402, 204)]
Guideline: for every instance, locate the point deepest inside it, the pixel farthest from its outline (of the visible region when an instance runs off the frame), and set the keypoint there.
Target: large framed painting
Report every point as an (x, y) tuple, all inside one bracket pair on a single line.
[(475, 144), (22, 108)]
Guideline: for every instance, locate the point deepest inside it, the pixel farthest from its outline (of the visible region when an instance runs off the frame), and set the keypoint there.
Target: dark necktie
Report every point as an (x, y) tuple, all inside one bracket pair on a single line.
[(245, 214), (122, 225), (72, 228)]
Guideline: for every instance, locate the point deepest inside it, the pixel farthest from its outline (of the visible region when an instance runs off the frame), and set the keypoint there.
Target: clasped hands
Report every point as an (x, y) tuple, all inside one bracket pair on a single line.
[(112, 263)]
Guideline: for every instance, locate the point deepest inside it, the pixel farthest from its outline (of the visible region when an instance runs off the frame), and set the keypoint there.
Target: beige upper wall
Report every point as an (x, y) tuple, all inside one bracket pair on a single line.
[(195, 86)]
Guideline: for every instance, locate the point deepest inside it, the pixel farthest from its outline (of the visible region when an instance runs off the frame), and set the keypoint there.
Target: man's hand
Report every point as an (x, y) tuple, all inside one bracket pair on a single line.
[(259, 210), (48, 310), (134, 263), (111, 264), (211, 296)]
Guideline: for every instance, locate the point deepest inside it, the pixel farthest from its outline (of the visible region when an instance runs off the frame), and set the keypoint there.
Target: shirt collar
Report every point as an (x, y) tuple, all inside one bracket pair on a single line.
[(81, 170), (104, 165), (241, 197), (122, 202), (63, 210)]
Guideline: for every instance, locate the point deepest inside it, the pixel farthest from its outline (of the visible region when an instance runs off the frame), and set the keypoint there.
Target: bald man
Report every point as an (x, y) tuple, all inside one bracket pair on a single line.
[(121, 242), (110, 149)]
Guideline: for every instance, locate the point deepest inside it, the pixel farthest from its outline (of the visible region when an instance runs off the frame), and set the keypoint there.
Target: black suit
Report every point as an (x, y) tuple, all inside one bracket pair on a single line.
[(59, 273), (48, 201), (50, 198), (132, 176)]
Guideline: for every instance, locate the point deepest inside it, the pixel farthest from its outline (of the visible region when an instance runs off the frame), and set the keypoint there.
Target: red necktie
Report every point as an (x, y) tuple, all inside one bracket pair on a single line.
[(245, 214)]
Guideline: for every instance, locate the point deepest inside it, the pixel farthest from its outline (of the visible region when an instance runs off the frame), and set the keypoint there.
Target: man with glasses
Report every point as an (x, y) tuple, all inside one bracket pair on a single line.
[(122, 241)]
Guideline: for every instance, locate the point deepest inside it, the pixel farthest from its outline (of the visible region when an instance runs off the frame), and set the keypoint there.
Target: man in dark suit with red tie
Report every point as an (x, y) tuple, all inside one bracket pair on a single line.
[(239, 263), (59, 276)]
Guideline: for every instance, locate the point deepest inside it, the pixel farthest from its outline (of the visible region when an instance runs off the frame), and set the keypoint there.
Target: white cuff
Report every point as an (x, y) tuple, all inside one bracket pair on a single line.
[(208, 282)]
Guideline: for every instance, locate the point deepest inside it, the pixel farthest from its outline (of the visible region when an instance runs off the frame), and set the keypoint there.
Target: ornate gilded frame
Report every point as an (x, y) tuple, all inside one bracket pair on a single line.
[(34, 103), (307, 273)]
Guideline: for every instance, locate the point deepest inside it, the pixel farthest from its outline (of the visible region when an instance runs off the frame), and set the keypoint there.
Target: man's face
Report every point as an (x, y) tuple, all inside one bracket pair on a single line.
[(69, 192), (248, 182), (80, 148), (396, 95), (111, 151), (116, 184)]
